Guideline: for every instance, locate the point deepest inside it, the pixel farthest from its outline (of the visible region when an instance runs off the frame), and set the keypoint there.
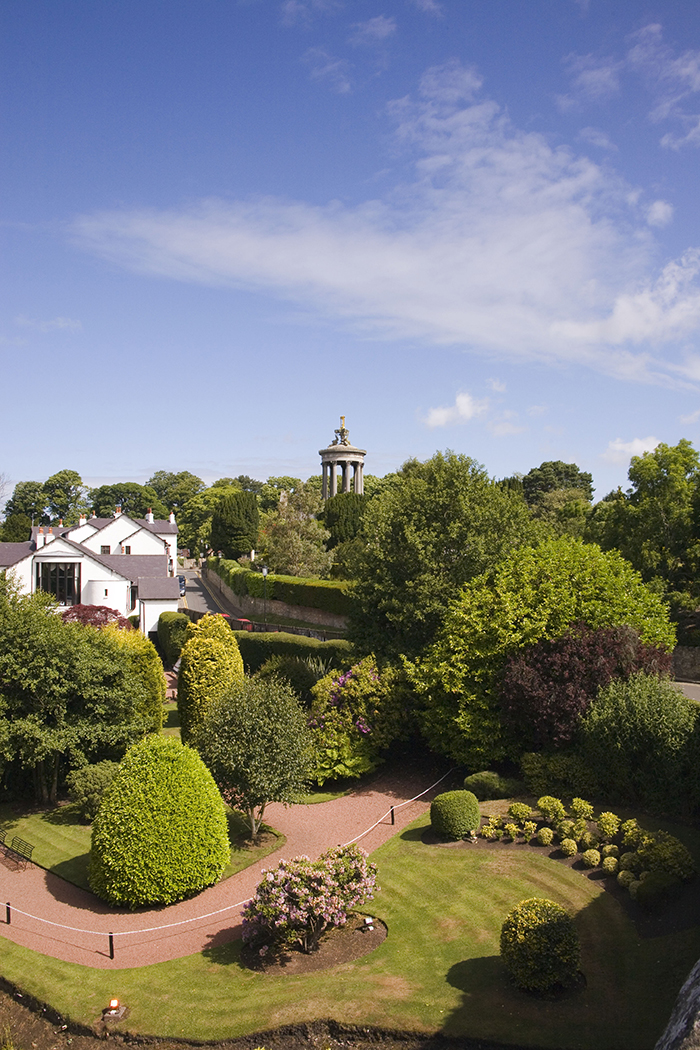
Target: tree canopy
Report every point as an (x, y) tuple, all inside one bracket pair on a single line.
[(432, 527), (256, 743), (655, 524), (133, 499), (534, 593), (174, 490), (70, 693), (234, 523), (555, 474), (292, 539), (28, 498)]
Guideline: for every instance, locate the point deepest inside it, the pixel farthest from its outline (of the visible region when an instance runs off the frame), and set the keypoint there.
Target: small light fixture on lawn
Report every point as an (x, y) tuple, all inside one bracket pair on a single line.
[(369, 922), (115, 1011)]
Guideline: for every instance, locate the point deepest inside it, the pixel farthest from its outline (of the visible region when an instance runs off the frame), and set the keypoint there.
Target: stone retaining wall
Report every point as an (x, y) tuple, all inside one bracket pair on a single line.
[(686, 663), (259, 607)]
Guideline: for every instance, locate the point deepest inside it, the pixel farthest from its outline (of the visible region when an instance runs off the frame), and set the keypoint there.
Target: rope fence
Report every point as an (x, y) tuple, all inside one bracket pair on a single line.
[(9, 909)]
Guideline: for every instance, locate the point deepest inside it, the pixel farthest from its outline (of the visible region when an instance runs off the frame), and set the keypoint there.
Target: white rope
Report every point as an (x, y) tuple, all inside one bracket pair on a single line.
[(400, 805), (211, 914)]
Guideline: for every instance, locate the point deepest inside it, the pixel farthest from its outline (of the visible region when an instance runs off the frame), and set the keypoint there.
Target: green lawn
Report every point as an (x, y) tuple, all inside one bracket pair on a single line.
[(438, 970), (62, 844)]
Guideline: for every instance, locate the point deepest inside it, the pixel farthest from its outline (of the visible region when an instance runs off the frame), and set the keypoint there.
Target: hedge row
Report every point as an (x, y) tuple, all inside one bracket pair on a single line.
[(328, 595), (257, 647), (172, 627)]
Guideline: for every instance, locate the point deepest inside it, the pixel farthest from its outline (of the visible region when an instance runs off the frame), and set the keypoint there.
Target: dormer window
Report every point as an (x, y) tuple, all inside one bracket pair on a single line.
[(104, 549)]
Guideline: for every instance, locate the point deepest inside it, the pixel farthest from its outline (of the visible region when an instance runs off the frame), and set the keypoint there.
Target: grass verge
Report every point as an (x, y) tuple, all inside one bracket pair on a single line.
[(438, 970)]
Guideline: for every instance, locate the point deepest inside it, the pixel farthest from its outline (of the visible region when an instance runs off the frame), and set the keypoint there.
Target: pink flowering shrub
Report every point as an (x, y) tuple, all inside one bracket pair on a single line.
[(301, 898), (355, 716), (95, 616)]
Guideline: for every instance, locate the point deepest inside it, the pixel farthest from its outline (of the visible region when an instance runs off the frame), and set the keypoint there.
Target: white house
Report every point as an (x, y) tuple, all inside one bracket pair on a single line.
[(125, 563)]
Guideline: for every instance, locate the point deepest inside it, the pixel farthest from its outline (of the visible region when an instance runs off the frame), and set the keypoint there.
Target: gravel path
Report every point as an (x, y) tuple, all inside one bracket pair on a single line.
[(309, 830)]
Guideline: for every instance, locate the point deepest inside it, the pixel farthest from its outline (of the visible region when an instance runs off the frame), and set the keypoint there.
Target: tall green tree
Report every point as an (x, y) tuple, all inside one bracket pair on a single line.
[(69, 692), (174, 490), (293, 540), (655, 524), (133, 499), (534, 593), (29, 498), (257, 744), (234, 524), (16, 529), (555, 474), (342, 516), (432, 527), (194, 520), (66, 496)]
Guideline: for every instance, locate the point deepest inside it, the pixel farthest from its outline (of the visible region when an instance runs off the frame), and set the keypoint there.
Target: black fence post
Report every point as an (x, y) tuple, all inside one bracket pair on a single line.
[(392, 815), (111, 945), (8, 913)]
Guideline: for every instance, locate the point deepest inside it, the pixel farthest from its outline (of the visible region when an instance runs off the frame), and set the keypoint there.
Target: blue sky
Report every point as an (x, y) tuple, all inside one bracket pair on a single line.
[(466, 225)]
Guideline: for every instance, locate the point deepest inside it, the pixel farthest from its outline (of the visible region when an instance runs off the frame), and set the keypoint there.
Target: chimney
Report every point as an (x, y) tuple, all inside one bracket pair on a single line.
[(60, 523), (82, 520), (39, 537), (149, 516), (117, 510), (49, 535), (172, 517), (93, 515)]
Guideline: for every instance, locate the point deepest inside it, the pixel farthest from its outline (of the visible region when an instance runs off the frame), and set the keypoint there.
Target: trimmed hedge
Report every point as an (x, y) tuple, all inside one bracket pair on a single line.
[(257, 648), (211, 664), (330, 596), (171, 635), (489, 785), (454, 814), (160, 834), (540, 946)]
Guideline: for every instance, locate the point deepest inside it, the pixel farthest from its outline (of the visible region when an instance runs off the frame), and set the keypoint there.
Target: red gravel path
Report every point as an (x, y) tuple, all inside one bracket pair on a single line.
[(309, 830)]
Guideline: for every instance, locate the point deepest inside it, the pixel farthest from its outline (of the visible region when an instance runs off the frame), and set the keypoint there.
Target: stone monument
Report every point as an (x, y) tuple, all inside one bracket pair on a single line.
[(341, 456)]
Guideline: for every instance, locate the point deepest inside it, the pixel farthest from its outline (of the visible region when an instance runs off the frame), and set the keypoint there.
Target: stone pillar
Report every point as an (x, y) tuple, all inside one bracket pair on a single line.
[(334, 479), (346, 476), (324, 473), (360, 483)]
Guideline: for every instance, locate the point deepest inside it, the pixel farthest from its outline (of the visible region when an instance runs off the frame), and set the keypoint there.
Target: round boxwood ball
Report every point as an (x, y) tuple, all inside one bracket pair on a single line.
[(454, 814), (569, 847), (161, 833), (540, 946)]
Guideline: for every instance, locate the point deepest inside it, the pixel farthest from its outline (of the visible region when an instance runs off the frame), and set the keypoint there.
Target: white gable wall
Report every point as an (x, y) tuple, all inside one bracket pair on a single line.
[(98, 584), (124, 531)]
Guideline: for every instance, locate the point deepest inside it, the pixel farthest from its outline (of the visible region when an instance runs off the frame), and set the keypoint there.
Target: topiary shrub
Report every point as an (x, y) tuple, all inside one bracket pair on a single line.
[(631, 833), (540, 946), (454, 814), (579, 829), (552, 809), (171, 635), (490, 785), (630, 862), (569, 847), (610, 850), (664, 852), (86, 787), (512, 830), (588, 840), (610, 865), (608, 825), (632, 888), (545, 836), (519, 811), (656, 889), (624, 878), (529, 829), (581, 809), (210, 664), (160, 834), (591, 858), (565, 829)]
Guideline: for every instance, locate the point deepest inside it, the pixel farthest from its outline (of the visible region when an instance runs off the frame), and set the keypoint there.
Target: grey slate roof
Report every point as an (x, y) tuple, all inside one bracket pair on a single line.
[(132, 566), (11, 553), (165, 589)]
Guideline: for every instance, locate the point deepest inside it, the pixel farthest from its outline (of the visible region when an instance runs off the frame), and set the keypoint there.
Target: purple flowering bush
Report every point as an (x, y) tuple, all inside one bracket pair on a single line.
[(355, 716), (300, 898)]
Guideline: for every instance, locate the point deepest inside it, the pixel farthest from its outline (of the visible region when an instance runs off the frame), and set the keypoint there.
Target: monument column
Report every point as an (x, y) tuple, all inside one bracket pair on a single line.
[(340, 453)]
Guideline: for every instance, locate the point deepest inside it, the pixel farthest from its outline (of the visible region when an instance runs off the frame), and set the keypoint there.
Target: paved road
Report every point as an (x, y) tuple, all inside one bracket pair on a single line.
[(691, 689), (201, 599)]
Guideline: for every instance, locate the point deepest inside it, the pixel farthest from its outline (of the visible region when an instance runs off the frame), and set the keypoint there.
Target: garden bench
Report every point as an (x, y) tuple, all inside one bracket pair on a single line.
[(17, 850)]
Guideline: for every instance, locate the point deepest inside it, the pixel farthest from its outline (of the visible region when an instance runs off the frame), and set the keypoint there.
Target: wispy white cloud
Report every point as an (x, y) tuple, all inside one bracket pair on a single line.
[(672, 80), (660, 213), (505, 424), (431, 7), (500, 244), (536, 410), (692, 418), (335, 71), (374, 31), (498, 385), (596, 137), (620, 451), (464, 410), (296, 12), (65, 324)]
